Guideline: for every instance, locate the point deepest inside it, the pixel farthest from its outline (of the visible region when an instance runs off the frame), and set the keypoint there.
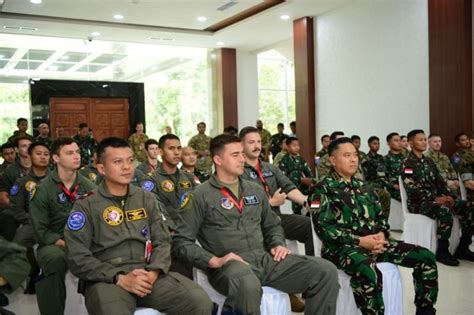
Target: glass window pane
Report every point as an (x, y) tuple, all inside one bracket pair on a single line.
[(14, 103)]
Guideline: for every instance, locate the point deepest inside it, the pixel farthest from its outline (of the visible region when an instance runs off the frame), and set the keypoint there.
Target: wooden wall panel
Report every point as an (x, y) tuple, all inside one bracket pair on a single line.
[(450, 67), (227, 85), (304, 87)]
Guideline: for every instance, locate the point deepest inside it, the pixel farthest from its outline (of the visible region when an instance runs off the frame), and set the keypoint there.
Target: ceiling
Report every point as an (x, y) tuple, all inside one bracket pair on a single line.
[(57, 35)]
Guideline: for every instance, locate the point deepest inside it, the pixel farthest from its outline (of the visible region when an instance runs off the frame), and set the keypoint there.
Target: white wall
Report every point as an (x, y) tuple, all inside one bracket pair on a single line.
[(247, 88), (372, 69)]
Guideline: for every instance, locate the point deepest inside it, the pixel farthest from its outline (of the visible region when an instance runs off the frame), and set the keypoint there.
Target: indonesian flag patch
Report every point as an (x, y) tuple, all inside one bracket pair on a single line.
[(315, 204), (408, 170)]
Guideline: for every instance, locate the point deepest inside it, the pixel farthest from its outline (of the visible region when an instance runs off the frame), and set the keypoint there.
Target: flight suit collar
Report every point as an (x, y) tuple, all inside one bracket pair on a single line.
[(55, 177), (215, 182), (32, 174), (132, 190), (161, 171)]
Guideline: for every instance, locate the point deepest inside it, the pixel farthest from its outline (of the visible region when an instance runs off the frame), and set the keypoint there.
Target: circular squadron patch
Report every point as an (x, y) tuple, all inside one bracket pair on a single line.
[(167, 185), (113, 216), (226, 203)]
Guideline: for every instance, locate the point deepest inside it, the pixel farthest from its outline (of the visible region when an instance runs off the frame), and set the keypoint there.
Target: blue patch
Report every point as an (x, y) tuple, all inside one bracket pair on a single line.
[(14, 190), (251, 200), (182, 198), (456, 160), (148, 185), (76, 221), (62, 197), (144, 231), (267, 174), (253, 175)]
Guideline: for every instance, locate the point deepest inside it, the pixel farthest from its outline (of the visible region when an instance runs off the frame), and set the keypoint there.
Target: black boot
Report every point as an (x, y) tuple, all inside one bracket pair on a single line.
[(444, 256), (425, 310), (463, 251)]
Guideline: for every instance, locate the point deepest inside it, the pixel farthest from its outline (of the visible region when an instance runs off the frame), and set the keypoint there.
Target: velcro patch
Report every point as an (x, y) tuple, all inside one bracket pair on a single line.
[(14, 190), (185, 184), (136, 214), (76, 220), (251, 200), (183, 200), (147, 185)]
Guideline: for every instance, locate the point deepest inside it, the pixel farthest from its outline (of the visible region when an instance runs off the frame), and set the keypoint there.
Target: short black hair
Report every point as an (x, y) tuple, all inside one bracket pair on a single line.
[(402, 137), (289, 140), (21, 119), (8, 145), (324, 136), (280, 125), (334, 145), (17, 140), (246, 130), (59, 143), (355, 137), (112, 142), (219, 142), (150, 142), (201, 123), (36, 144), (293, 123), (373, 138), (164, 138), (459, 135), (432, 135), (413, 133), (83, 125), (333, 135), (391, 135)]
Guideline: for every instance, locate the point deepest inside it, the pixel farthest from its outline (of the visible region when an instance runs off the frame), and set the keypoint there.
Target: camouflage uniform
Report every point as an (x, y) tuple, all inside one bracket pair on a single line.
[(137, 143), (18, 133), (342, 213), (324, 166), (91, 173), (373, 168), (423, 184), (198, 174), (362, 156), (46, 141), (266, 137), (321, 153), (201, 143), (466, 169), (87, 145), (458, 156), (445, 168), (393, 164), (278, 157), (296, 168), (276, 143)]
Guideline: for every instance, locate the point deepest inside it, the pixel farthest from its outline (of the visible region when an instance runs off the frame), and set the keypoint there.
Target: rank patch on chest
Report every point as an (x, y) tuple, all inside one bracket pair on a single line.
[(30, 185), (76, 220), (408, 171), (14, 190), (167, 185), (185, 184), (135, 215), (226, 203), (253, 175), (147, 185), (113, 216), (251, 200)]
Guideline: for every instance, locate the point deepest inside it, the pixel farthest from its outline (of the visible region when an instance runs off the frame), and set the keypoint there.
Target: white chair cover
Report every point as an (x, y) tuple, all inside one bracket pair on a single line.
[(273, 301), (462, 188), (395, 218), (420, 230)]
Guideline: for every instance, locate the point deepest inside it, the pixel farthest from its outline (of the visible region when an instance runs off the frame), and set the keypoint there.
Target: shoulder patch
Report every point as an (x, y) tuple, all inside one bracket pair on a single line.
[(14, 190), (76, 220), (456, 160), (147, 185), (184, 199)]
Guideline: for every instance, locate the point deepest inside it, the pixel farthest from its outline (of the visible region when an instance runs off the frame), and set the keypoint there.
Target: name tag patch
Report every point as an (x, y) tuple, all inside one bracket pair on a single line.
[(135, 215), (251, 200), (76, 220)]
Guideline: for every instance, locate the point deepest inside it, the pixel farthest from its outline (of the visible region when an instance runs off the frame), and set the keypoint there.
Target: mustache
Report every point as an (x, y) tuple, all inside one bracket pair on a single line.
[(257, 150)]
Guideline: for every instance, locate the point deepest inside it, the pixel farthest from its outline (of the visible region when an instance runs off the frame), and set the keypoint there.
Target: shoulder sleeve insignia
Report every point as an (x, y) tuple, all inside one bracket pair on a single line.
[(147, 185), (76, 220), (14, 190), (184, 199)]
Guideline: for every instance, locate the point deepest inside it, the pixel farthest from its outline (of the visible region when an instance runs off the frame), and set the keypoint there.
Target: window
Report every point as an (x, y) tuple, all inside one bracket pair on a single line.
[(14, 103), (276, 86)]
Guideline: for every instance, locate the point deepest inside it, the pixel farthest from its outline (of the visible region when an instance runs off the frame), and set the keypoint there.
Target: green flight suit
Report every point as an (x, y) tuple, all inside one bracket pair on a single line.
[(106, 236), (91, 173), (17, 134), (14, 266), (147, 168), (49, 210), (342, 213), (210, 215), (423, 184), (295, 226)]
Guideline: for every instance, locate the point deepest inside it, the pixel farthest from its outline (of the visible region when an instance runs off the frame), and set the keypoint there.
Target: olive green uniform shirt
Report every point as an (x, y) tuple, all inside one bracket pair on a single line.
[(14, 266)]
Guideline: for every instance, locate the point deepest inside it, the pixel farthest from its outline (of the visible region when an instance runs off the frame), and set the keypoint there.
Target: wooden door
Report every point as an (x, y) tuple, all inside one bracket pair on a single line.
[(105, 116)]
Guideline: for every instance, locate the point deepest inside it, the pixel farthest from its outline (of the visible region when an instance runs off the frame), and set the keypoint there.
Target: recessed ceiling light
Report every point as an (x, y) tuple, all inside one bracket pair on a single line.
[(53, 68), (35, 1), (202, 19), (220, 44), (285, 17), (65, 57), (118, 16), (95, 34)]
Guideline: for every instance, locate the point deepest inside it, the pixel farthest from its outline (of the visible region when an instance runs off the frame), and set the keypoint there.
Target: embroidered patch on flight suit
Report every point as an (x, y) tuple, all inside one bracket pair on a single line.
[(147, 185), (226, 204), (113, 216), (76, 220), (185, 184), (32, 193), (30, 185), (268, 174), (253, 175), (183, 200), (251, 200), (62, 197), (92, 177), (167, 185), (14, 190), (136, 214)]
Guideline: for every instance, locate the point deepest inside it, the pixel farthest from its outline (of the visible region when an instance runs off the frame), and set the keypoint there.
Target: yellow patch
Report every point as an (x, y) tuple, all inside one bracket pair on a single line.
[(185, 201), (134, 215), (32, 193), (185, 184), (92, 177), (167, 185), (30, 185), (113, 216)]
